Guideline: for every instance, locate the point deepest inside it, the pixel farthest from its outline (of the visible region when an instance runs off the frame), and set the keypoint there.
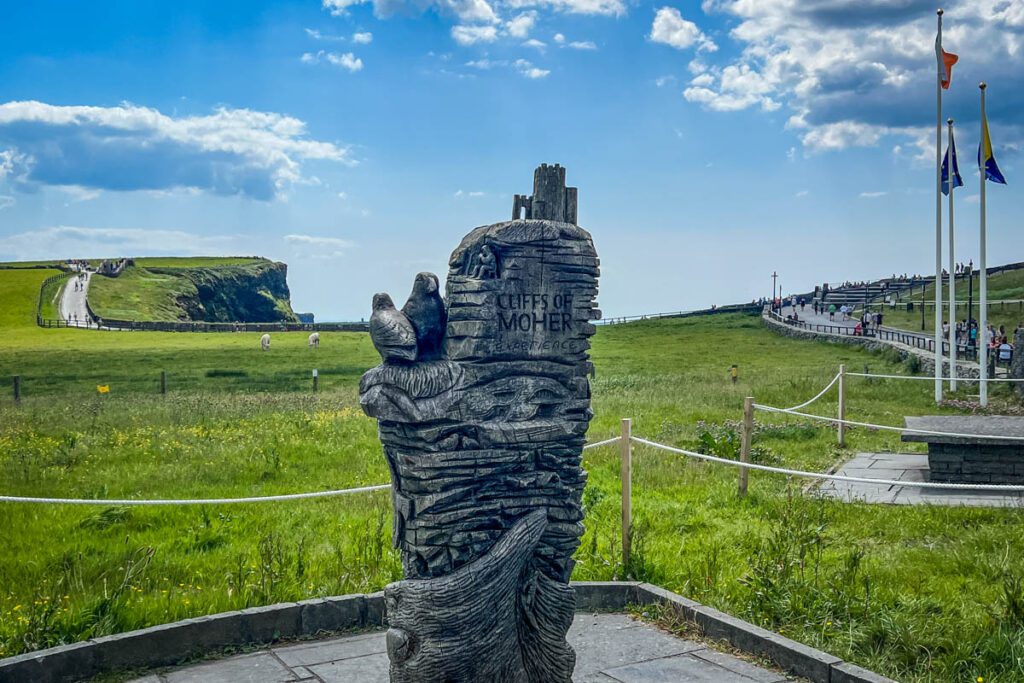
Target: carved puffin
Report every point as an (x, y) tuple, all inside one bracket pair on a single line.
[(392, 333), (425, 310)]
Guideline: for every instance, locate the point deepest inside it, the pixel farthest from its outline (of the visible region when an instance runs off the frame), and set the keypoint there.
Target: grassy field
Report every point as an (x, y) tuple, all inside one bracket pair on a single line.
[(1008, 285), (922, 594)]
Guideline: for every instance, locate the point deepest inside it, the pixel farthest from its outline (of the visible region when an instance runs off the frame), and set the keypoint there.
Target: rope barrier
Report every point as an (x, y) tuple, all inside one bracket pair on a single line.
[(932, 379), (908, 430), (831, 477), (224, 501), (199, 501), (820, 394)]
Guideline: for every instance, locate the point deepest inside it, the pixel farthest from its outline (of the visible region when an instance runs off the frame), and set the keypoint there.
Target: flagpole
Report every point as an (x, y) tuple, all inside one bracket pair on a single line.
[(951, 179), (938, 214), (983, 313)]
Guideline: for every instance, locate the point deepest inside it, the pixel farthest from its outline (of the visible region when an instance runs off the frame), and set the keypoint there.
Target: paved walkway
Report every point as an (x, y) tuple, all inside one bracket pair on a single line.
[(906, 467), (72, 303), (610, 648)]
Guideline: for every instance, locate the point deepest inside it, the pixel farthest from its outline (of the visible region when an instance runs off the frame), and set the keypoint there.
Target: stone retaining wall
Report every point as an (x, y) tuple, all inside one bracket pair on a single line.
[(172, 644), (964, 369)]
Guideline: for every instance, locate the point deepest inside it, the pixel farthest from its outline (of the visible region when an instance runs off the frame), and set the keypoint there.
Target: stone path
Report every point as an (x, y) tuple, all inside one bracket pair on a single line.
[(610, 648), (906, 467)]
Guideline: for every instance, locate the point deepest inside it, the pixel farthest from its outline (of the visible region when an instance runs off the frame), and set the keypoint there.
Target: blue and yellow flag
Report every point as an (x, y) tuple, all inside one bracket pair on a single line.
[(986, 159), (950, 152)]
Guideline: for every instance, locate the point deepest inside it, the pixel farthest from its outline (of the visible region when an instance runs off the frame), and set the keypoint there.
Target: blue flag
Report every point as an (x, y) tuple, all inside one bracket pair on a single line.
[(957, 180), (986, 159)]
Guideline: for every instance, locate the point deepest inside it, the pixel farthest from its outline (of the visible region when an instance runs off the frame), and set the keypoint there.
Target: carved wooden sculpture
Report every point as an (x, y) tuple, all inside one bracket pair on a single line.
[(483, 432)]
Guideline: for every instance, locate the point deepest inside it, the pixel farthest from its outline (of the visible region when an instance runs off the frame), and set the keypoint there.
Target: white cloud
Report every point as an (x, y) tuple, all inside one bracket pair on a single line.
[(475, 193), (739, 87), (6, 201), (345, 60), (124, 148), (872, 195), (362, 37), (316, 247), (671, 28), (527, 69), (315, 241), (521, 25), (317, 35), (535, 44), (856, 71), (466, 11), (662, 81), (470, 35), (558, 38), (802, 193), (486, 64), (70, 241), (601, 7), (582, 45)]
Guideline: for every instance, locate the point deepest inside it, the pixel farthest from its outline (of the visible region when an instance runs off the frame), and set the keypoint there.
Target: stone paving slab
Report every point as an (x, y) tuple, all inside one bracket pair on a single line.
[(908, 467), (610, 648)]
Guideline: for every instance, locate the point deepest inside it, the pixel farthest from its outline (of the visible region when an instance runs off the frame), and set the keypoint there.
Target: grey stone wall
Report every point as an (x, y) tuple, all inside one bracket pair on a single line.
[(926, 359)]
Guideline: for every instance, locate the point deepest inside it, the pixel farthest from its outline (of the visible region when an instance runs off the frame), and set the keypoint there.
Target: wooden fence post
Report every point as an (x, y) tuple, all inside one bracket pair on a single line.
[(163, 382), (17, 388), (626, 474), (747, 439), (842, 405)]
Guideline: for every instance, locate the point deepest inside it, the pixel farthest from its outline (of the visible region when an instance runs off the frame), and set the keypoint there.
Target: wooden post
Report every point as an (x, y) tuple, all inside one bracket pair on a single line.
[(842, 405), (17, 388), (163, 382), (747, 439), (626, 451)]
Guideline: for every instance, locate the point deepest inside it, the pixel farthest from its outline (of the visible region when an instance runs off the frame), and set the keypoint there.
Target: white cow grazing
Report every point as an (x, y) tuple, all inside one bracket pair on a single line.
[(265, 342), (314, 340)]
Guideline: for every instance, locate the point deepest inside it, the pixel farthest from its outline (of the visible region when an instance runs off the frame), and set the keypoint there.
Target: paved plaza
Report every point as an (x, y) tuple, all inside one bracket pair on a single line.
[(906, 467), (610, 648)]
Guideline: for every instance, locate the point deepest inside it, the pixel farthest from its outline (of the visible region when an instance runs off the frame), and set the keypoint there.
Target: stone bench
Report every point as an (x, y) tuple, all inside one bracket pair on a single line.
[(970, 459)]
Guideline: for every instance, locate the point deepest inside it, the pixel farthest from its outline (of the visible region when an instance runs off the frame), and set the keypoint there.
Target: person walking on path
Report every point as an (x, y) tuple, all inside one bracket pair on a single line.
[(831, 312)]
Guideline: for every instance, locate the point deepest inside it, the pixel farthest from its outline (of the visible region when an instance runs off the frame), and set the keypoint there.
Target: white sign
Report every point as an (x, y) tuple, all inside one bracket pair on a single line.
[(314, 372)]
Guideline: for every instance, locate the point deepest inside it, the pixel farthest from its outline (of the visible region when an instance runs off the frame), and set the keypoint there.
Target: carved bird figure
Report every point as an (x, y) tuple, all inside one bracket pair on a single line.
[(393, 335), (425, 310)]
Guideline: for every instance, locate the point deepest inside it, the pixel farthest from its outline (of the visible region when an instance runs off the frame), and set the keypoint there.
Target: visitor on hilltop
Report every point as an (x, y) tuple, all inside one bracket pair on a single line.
[(831, 312)]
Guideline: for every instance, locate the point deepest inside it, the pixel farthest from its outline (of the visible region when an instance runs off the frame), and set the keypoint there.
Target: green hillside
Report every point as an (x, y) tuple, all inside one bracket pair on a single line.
[(195, 289), (1004, 286)]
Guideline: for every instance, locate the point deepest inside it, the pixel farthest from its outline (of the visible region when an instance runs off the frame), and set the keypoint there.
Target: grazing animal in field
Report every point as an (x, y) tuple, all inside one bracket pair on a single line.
[(392, 334), (425, 310), (265, 342), (314, 340)]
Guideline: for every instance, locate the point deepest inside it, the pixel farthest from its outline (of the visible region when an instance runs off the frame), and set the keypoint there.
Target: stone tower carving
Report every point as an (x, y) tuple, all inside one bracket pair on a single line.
[(484, 444), (551, 199)]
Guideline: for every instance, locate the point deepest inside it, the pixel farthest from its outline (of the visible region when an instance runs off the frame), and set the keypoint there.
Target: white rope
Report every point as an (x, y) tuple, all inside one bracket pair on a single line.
[(603, 443), (865, 374), (199, 501), (820, 394), (932, 379), (831, 477), (223, 501), (907, 430)]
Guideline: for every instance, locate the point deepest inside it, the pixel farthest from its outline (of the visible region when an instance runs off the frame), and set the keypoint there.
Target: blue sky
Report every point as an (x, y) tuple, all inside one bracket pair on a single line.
[(712, 142)]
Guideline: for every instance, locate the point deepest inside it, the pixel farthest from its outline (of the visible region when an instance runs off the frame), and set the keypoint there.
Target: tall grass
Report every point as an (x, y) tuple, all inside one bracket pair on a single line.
[(920, 593)]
